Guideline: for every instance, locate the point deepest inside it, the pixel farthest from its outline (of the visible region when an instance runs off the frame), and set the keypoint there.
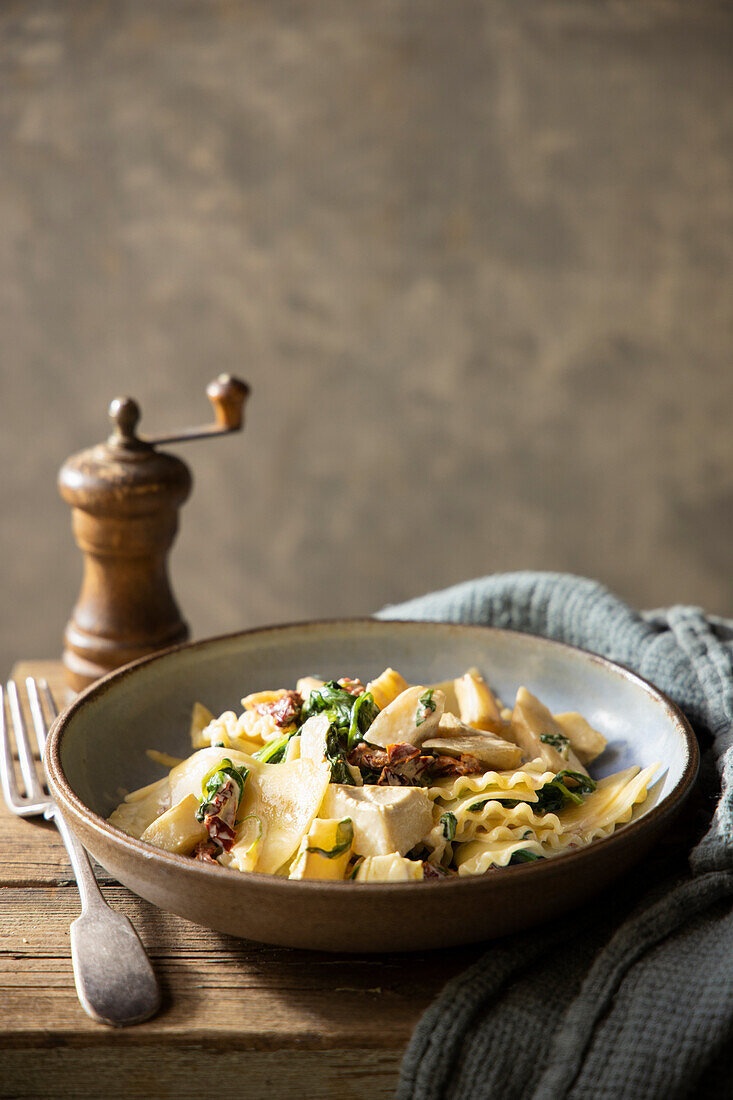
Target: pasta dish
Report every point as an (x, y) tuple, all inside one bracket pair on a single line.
[(383, 782)]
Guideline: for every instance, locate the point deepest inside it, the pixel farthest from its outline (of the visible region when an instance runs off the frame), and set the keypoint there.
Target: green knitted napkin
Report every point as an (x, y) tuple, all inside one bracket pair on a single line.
[(631, 996)]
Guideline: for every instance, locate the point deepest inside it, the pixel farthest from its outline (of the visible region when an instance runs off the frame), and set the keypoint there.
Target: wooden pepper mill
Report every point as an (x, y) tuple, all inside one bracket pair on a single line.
[(125, 497)]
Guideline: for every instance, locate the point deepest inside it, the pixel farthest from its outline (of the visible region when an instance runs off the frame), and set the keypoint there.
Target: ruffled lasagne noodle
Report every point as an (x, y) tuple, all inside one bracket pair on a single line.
[(501, 832)]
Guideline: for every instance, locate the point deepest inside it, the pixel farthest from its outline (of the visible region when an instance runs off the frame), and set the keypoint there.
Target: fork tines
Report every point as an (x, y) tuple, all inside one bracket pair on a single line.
[(33, 800)]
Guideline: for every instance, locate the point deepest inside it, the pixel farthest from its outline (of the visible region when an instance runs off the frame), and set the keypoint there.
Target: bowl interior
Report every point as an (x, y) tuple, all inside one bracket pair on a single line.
[(102, 752)]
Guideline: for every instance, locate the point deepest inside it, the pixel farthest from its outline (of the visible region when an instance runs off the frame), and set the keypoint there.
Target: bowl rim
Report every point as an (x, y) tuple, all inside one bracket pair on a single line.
[(197, 869)]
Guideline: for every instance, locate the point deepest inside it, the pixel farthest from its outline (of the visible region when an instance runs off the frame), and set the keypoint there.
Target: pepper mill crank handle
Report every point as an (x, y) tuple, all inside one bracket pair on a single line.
[(228, 396)]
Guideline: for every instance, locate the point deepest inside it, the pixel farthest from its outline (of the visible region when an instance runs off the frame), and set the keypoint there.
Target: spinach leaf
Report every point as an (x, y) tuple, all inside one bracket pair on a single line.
[(351, 715), (425, 706), (509, 803), (363, 713), (340, 771), (523, 855), (344, 840), (558, 741), (550, 799), (566, 787), (449, 823), (355, 868), (335, 701), (218, 777), (274, 750), (476, 807), (584, 783)]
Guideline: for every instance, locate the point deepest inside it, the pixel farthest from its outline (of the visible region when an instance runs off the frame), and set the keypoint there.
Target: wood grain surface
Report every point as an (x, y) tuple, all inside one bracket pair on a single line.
[(300, 1024)]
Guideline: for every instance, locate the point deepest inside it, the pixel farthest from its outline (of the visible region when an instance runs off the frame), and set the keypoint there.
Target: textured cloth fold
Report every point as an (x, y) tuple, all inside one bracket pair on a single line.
[(632, 995)]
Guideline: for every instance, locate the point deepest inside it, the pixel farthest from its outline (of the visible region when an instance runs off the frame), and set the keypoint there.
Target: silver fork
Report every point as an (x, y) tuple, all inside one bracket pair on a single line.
[(114, 979)]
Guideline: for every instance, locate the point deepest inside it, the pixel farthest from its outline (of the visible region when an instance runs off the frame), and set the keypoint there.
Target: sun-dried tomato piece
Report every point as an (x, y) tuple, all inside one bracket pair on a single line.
[(206, 851), (405, 766), (430, 870), (354, 687), (222, 835), (368, 758), (285, 710), (402, 751), (451, 765)]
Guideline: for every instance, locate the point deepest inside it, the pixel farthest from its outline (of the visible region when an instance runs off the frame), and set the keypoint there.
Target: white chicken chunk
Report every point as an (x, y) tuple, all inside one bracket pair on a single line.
[(385, 819)]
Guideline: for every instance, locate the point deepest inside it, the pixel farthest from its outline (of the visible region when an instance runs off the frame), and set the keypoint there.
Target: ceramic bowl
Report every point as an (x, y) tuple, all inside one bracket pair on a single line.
[(96, 754)]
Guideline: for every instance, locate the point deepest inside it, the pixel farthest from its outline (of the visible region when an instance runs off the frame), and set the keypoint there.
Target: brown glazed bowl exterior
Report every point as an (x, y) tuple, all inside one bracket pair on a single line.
[(96, 753)]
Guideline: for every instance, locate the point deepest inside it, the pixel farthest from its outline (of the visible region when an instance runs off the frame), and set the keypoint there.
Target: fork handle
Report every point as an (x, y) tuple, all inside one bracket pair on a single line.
[(114, 980), (89, 892)]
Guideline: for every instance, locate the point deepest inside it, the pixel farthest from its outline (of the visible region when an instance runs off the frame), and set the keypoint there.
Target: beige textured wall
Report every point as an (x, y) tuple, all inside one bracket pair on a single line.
[(474, 259)]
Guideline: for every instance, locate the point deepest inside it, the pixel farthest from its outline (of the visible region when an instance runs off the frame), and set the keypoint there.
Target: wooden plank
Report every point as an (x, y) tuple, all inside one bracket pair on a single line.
[(47, 669), (166, 1074), (32, 853)]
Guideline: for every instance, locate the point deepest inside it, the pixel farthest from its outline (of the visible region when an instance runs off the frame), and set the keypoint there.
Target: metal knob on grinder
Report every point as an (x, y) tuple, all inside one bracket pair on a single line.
[(125, 496)]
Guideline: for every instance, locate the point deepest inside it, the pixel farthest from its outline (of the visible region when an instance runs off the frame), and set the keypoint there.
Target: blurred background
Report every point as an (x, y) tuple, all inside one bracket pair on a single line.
[(473, 258)]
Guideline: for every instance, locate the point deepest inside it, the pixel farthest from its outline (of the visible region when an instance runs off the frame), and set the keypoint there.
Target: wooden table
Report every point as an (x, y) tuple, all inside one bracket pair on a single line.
[(264, 1021)]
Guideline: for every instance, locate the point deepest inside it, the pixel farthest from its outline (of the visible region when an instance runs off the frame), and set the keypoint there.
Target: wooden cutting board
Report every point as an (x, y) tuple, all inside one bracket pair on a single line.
[(261, 1021)]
